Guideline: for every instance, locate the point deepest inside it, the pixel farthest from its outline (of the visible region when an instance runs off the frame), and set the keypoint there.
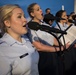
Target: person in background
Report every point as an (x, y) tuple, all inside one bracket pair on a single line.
[(49, 60), (17, 56), (72, 13), (47, 11), (70, 20), (70, 55), (74, 19), (61, 24), (48, 17)]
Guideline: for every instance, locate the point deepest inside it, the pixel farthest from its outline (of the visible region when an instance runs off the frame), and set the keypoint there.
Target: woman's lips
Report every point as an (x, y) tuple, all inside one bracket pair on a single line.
[(25, 25)]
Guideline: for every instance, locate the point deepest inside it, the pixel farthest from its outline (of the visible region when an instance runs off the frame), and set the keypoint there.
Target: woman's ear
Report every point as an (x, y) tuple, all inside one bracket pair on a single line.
[(32, 14), (7, 23)]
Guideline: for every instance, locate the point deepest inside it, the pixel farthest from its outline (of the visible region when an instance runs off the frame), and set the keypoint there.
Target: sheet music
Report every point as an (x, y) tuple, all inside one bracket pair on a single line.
[(70, 36)]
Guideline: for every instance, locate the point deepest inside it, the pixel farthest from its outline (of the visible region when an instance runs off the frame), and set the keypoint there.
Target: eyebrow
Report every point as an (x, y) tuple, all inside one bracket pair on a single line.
[(37, 8), (20, 13)]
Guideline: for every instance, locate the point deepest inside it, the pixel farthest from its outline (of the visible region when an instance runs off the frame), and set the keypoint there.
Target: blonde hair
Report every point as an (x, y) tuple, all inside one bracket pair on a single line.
[(5, 14)]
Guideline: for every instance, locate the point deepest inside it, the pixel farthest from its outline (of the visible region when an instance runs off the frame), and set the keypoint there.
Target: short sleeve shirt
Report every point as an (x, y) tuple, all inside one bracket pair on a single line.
[(63, 27), (42, 36), (17, 58)]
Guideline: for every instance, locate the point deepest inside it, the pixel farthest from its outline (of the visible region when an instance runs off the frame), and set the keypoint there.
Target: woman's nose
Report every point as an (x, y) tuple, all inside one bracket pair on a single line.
[(25, 19), (40, 10)]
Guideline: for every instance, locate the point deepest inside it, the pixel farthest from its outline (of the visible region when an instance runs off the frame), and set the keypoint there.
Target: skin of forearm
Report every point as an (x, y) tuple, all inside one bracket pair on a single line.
[(41, 47)]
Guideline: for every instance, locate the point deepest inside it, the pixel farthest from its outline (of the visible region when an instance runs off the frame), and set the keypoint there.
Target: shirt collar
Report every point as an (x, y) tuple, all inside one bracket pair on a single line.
[(10, 40), (63, 24)]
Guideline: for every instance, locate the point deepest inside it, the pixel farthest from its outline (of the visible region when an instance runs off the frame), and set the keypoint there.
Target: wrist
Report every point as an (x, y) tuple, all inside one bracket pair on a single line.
[(58, 48)]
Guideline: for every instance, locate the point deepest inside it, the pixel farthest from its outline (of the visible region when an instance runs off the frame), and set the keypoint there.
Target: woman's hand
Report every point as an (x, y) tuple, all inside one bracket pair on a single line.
[(67, 45)]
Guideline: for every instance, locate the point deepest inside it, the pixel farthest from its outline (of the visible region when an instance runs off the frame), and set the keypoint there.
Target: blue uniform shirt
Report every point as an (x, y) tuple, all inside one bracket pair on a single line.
[(41, 36), (17, 58)]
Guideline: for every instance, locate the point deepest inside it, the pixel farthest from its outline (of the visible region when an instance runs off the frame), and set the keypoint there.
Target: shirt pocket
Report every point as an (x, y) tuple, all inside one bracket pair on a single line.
[(21, 65)]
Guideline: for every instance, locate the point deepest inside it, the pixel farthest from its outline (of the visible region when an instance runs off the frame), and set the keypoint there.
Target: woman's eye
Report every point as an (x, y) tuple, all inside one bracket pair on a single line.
[(19, 16), (37, 9)]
